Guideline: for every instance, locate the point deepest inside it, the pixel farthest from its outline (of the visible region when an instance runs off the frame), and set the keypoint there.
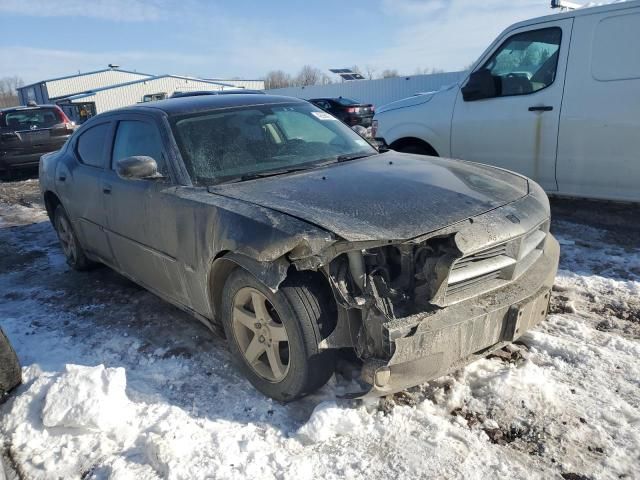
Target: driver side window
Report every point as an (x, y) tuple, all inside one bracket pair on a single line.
[(526, 62), (135, 137)]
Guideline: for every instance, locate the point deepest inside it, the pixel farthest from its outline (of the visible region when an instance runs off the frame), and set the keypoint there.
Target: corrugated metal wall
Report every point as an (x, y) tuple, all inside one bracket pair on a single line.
[(133, 93), (378, 92), (249, 84), (90, 81)]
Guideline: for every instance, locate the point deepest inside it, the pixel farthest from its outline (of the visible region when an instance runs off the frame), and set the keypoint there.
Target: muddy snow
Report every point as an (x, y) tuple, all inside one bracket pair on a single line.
[(118, 384)]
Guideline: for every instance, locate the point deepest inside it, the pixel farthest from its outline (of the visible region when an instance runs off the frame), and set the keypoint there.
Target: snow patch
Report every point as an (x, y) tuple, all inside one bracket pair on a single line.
[(328, 420), (93, 398)]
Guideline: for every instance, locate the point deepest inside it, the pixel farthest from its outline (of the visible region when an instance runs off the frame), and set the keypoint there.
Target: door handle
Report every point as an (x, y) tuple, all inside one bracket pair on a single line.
[(62, 178), (106, 189), (541, 108)]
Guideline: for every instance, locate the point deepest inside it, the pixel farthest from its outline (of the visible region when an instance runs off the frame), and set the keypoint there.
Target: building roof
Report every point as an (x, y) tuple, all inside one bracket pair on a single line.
[(93, 91), (85, 74)]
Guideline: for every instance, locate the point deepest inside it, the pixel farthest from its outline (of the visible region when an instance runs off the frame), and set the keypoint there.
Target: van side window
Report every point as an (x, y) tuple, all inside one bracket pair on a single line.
[(138, 138), (91, 145), (615, 48), (526, 62)]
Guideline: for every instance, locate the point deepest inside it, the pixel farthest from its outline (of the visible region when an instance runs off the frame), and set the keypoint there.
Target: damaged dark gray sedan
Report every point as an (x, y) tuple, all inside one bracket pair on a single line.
[(267, 216)]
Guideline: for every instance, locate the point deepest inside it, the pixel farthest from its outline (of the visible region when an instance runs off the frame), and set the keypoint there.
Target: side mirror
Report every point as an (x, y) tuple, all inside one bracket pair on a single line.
[(137, 168), (481, 85)]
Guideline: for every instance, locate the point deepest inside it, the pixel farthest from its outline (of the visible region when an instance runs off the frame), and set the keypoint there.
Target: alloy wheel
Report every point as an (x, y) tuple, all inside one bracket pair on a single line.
[(260, 334)]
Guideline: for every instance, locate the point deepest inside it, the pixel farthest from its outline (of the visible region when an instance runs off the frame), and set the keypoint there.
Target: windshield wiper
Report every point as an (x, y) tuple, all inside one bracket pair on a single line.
[(253, 176), (346, 158)]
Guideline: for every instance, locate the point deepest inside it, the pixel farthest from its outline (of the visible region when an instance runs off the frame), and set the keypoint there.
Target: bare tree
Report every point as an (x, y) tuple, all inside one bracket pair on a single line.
[(370, 72), (308, 75), (8, 91), (428, 71), (388, 73), (277, 79), (325, 79)]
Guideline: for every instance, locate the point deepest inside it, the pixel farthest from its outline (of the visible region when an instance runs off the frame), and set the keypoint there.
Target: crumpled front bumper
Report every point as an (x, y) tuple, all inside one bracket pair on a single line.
[(448, 339)]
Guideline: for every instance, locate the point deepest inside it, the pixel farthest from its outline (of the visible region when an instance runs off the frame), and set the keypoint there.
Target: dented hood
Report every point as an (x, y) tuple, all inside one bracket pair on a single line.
[(393, 196)]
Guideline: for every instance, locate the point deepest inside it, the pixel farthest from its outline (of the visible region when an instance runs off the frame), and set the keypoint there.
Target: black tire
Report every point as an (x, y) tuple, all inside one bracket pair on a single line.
[(308, 314), (76, 258), (10, 373)]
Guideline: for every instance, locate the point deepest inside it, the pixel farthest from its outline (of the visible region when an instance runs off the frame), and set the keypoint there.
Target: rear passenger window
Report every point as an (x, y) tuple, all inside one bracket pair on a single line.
[(616, 53), (91, 145), (138, 138)]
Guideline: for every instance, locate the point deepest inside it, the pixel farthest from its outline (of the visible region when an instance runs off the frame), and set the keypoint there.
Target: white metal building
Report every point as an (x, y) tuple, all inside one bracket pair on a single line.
[(377, 92), (84, 95), (48, 91), (81, 106)]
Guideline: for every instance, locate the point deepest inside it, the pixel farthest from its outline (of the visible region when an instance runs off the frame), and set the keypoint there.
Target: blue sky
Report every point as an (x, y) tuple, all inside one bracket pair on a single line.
[(47, 38)]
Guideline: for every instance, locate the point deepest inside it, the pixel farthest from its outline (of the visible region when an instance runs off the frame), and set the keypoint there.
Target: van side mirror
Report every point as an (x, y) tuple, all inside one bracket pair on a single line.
[(481, 85), (137, 168)]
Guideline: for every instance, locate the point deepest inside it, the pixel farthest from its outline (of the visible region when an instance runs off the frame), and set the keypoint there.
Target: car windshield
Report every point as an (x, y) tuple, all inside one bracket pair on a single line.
[(26, 119), (236, 143), (346, 101)]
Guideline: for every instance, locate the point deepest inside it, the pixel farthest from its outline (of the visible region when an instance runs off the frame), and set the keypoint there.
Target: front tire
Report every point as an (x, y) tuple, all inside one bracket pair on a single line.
[(76, 258), (274, 337), (10, 373)]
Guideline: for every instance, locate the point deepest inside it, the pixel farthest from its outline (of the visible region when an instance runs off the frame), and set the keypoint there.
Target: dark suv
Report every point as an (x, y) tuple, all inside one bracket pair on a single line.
[(26, 133), (349, 111)]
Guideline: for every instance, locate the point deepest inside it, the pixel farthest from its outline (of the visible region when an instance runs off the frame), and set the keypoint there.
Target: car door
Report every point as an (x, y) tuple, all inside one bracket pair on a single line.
[(79, 183), (517, 128), (599, 141), (142, 224)]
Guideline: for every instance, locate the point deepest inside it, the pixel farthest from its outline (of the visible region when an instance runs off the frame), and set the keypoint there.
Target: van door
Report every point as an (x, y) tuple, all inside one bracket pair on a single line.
[(517, 128), (599, 140)]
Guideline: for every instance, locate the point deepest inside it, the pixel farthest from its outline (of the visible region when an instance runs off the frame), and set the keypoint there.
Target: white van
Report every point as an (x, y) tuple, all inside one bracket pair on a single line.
[(556, 98)]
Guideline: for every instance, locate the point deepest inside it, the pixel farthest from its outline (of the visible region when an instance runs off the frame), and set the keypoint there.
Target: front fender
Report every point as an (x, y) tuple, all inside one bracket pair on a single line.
[(272, 274)]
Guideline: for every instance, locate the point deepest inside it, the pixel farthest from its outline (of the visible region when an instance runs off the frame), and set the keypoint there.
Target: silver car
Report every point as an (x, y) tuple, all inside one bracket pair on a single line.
[(269, 217)]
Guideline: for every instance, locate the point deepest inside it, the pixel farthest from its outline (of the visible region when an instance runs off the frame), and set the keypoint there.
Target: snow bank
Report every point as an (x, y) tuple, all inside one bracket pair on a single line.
[(87, 397)]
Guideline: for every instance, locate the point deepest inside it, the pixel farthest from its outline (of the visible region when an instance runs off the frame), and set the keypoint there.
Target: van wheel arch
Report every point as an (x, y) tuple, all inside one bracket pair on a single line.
[(414, 145)]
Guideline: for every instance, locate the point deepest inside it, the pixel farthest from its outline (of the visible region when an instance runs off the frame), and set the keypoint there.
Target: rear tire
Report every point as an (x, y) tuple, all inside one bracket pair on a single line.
[(76, 258), (10, 373), (300, 306)]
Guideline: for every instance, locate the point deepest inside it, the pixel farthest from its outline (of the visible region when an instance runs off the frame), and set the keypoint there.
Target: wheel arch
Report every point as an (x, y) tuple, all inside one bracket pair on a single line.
[(272, 274), (51, 202), (420, 144)]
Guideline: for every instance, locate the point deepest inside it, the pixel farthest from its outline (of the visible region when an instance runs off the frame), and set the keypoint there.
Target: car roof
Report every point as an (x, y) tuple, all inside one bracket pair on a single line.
[(176, 106)]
